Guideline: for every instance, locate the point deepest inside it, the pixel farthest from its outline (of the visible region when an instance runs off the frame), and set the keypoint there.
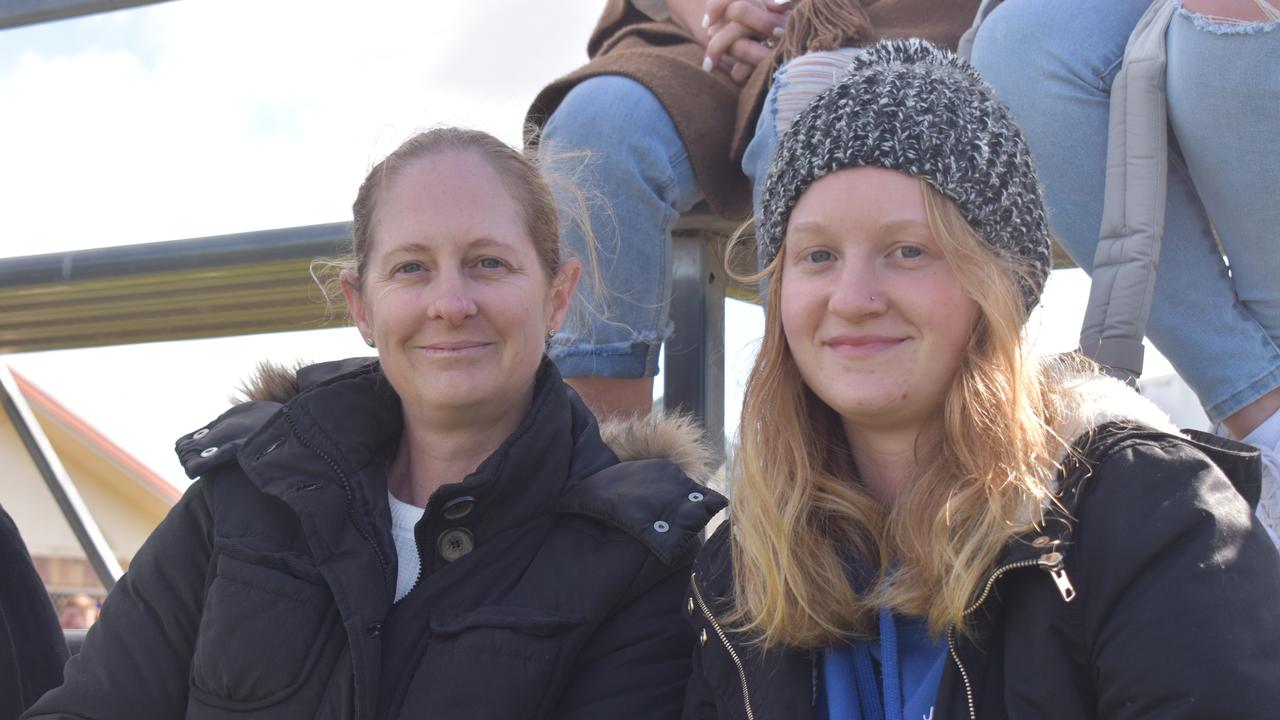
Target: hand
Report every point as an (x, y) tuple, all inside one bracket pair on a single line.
[(737, 29)]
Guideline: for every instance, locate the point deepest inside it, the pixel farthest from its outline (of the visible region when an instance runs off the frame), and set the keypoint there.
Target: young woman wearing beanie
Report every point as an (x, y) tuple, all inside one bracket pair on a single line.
[(925, 520)]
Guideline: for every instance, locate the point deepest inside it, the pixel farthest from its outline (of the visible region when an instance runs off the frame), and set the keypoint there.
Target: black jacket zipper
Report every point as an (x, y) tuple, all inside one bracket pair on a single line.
[(1051, 563), (733, 653), (346, 487)]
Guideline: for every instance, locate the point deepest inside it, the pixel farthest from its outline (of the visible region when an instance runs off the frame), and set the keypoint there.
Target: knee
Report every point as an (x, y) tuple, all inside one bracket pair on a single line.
[(605, 113), (1015, 37)]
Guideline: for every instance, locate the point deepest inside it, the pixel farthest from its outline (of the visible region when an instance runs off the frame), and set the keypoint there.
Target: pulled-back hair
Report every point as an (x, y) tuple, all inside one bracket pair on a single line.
[(519, 174), (799, 514), (522, 176)]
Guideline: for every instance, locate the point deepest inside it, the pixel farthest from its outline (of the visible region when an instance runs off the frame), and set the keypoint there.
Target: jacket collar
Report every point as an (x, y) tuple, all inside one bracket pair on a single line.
[(347, 415)]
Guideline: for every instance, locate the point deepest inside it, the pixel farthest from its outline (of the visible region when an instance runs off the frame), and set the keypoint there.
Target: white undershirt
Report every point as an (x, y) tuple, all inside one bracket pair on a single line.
[(403, 519)]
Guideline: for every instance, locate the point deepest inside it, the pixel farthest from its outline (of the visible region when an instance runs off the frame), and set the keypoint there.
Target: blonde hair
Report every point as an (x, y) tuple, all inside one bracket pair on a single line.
[(799, 515)]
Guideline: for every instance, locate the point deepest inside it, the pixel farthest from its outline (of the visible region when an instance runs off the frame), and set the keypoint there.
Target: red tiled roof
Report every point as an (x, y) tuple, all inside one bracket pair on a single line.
[(44, 402)]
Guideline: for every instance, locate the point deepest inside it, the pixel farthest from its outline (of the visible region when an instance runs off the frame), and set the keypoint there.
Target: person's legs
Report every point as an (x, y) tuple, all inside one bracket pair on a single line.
[(1223, 95), (1233, 156), (615, 141), (1053, 62)]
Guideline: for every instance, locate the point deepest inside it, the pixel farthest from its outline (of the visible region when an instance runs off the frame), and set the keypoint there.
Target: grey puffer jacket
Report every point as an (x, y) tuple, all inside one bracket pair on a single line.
[(1150, 594), (550, 585)]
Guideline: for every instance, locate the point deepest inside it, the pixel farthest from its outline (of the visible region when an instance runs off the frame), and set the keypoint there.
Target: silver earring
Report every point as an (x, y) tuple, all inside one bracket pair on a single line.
[(550, 334), (369, 341)]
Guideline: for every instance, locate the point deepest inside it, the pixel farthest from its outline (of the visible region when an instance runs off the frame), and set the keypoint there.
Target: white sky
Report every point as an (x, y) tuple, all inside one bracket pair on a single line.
[(204, 117)]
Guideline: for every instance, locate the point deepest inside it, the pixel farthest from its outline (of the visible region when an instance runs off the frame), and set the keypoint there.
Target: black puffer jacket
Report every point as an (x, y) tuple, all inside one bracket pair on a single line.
[(268, 590), (32, 648), (1158, 600)]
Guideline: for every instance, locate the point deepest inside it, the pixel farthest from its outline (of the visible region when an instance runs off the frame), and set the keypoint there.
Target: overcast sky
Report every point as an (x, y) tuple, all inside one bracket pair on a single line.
[(203, 117)]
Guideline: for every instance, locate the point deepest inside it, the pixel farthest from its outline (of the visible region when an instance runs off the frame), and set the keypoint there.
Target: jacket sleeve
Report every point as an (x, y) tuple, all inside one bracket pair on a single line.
[(637, 665), (135, 660), (1180, 587)]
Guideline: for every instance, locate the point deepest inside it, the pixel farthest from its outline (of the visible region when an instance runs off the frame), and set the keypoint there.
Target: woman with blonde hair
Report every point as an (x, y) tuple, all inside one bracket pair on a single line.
[(925, 520), (440, 531)]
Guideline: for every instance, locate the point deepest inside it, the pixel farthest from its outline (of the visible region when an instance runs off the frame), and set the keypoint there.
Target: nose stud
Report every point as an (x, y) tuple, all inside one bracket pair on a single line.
[(873, 298)]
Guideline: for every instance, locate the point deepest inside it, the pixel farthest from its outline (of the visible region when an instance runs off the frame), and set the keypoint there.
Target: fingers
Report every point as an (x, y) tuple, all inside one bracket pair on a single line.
[(748, 51), (736, 35), (741, 72), (761, 22), (714, 13)]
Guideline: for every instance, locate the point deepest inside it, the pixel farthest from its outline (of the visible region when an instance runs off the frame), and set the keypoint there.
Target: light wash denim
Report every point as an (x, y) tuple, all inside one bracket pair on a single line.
[(613, 139), (615, 142), (1053, 62), (793, 86)]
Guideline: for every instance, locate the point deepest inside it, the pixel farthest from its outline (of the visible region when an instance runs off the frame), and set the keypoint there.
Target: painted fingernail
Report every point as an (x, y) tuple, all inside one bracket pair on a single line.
[(706, 64), (706, 21), (779, 32), (781, 2)]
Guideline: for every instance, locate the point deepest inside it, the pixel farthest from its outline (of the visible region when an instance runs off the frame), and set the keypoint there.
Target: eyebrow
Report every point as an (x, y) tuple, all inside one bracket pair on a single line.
[(817, 227), (415, 247)]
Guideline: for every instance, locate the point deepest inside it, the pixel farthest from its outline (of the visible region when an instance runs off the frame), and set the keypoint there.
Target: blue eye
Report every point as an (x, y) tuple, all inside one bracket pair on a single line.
[(909, 252), (491, 263), (820, 256), (409, 268)]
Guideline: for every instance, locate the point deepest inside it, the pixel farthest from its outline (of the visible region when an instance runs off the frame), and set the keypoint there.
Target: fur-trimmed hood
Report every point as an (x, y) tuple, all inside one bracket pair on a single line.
[(1095, 400)]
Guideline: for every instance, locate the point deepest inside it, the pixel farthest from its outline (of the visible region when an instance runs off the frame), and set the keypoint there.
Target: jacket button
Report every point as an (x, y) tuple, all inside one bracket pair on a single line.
[(458, 507), (373, 630), (208, 451), (454, 543), (690, 607), (695, 497), (702, 638), (661, 526), (199, 433)]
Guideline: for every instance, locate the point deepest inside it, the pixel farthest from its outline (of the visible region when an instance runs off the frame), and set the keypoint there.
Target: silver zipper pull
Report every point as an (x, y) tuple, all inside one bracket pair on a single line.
[(1052, 564)]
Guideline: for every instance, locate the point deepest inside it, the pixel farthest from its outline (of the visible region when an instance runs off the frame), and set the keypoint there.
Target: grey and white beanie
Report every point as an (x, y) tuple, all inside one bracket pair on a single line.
[(911, 106)]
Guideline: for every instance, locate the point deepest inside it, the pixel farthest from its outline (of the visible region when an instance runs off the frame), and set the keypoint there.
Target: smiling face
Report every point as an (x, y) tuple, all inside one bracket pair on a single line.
[(453, 293), (873, 315)]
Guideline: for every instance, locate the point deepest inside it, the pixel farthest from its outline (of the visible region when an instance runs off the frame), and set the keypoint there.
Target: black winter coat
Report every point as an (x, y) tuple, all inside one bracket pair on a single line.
[(32, 647), (552, 576), (1161, 599)]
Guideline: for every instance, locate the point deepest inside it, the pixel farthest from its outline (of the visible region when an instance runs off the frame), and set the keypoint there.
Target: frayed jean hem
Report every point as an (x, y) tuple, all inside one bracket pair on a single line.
[(1244, 396), (635, 358)]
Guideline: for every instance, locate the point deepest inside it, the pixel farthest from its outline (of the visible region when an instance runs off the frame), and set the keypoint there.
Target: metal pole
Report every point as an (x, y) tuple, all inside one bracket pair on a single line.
[(55, 476), (17, 13), (693, 376)]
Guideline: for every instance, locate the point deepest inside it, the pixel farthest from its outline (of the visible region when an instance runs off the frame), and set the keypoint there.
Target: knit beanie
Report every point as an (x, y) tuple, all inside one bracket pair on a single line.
[(911, 106)]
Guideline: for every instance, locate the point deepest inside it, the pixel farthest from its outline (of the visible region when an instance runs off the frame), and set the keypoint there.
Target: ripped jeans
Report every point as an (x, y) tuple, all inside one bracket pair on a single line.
[(615, 141), (1053, 62)]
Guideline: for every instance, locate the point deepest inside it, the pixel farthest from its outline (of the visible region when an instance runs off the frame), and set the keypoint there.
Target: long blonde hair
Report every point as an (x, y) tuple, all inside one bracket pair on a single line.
[(799, 515)]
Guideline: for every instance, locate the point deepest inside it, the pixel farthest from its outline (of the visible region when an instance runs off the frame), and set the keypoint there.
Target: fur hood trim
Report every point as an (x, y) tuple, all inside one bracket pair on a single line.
[(270, 381), (658, 436), (1095, 400), (661, 436)]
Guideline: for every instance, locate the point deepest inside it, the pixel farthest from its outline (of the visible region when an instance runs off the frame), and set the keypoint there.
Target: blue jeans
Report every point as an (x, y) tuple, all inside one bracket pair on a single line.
[(614, 141), (1053, 62)]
